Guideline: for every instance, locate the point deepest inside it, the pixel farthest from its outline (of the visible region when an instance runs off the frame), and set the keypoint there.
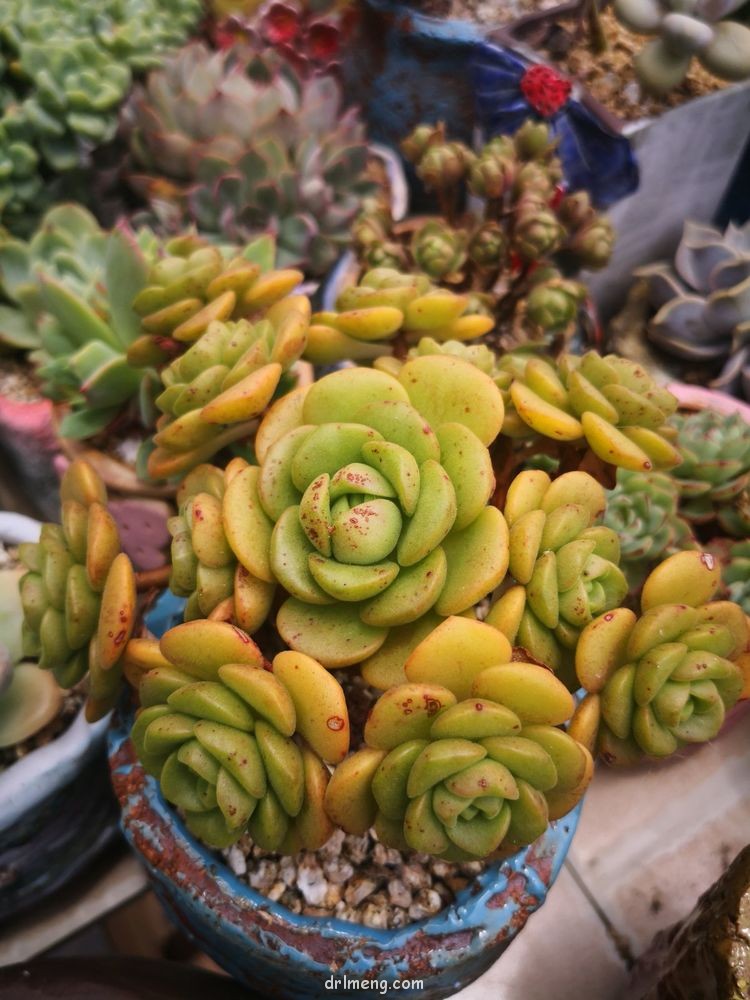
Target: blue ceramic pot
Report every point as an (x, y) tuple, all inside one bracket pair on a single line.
[(279, 954)]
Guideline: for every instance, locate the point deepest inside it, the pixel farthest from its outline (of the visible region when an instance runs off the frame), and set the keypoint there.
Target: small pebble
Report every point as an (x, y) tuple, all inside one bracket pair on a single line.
[(358, 889), (237, 860), (399, 894)]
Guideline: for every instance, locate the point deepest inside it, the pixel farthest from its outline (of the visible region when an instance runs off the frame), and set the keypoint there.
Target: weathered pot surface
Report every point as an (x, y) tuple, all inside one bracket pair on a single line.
[(267, 947)]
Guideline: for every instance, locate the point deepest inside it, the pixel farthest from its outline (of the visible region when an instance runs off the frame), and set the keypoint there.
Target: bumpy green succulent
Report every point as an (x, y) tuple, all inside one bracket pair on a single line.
[(564, 563), (714, 477), (737, 575), (684, 32), (237, 144), (370, 504), (79, 596), (668, 677), (463, 777), (642, 511), (65, 68), (223, 382), (700, 324), (205, 568), (519, 252), (73, 284), (608, 403), (218, 731), (385, 306)]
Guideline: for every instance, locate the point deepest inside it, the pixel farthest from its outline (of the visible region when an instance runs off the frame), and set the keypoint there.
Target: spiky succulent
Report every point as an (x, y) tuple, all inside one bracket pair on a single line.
[(518, 253), (79, 595), (737, 575), (223, 382), (73, 284), (238, 145), (700, 325), (65, 68), (466, 769), (665, 678), (388, 306), (369, 504), (218, 730), (714, 477), (564, 564), (608, 403), (684, 32), (642, 510)]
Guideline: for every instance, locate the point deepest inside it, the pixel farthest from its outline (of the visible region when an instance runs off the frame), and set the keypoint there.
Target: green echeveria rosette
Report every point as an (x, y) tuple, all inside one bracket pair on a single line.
[(642, 511), (464, 779), (737, 575), (715, 473), (564, 563), (222, 735), (370, 506), (666, 678)]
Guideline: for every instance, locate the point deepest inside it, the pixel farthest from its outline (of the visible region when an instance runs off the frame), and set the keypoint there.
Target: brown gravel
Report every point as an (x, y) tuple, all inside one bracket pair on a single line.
[(17, 382)]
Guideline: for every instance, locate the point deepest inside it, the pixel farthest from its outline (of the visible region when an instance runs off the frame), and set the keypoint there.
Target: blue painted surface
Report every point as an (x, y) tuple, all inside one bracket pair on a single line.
[(267, 947)]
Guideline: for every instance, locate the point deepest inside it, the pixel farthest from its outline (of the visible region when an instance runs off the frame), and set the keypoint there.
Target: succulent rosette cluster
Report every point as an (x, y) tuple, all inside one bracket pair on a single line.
[(714, 476), (239, 748), (387, 306), (737, 575), (564, 565), (369, 505), (667, 677), (462, 763), (608, 403), (79, 594)]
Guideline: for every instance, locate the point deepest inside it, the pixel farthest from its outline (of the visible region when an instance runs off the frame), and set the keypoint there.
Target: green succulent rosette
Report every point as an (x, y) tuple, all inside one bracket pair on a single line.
[(666, 678), (564, 564), (737, 575), (369, 506), (714, 477), (610, 404), (463, 778), (79, 594), (239, 748), (642, 511)]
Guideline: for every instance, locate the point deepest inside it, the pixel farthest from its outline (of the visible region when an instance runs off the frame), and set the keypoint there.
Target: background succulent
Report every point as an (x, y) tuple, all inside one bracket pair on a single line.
[(218, 731), (463, 777), (79, 595), (684, 32), (610, 403), (737, 575), (65, 68), (72, 285), (642, 510), (517, 252), (714, 477), (668, 677), (388, 308), (238, 144), (369, 504), (700, 325), (564, 564)]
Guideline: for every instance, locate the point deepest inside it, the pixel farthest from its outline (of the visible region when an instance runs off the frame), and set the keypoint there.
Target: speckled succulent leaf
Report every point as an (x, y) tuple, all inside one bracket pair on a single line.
[(223, 745), (442, 776)]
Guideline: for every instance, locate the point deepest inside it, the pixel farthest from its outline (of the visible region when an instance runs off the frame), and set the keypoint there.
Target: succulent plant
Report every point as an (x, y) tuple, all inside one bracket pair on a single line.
[(370, 504), (684, 32), (225, 380), (642, 510), (700, 325), (465, 768), (564, 564), (66, 68), (667, 678), (79, 596), (267, 152), (218, 731), (385, 306), (517, 254), (608, 403), (737, 575), (73, 284), (714, 477), (31, 700)]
